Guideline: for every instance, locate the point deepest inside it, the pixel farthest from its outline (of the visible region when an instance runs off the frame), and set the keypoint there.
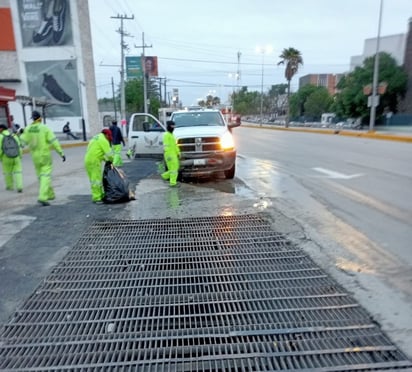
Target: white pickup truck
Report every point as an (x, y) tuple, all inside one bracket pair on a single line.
[(204, 137)]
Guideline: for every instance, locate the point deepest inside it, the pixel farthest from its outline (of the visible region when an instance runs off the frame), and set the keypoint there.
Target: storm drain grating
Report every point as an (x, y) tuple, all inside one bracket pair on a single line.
[(199, 294)]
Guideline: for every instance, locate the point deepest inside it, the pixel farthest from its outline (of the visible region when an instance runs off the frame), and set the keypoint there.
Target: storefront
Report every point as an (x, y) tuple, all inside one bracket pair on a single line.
[(6, 95)]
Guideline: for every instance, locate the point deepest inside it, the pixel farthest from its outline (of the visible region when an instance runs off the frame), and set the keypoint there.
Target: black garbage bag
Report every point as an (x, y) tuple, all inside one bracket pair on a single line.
[(116, 185)]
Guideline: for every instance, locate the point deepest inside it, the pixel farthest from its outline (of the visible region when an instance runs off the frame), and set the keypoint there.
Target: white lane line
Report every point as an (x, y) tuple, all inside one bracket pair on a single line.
[(332, 174)]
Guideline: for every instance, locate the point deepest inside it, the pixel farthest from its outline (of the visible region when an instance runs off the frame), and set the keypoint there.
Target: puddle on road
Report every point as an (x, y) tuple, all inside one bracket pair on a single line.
[(235, 186)]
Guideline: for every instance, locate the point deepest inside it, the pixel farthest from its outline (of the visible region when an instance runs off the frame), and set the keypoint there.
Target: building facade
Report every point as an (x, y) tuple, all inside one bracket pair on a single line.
[(47, 58), (328, 81), (399, 46), (392, 44), (406, 104)]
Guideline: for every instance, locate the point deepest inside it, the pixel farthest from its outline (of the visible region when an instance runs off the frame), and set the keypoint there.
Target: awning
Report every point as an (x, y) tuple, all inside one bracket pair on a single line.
[(7, 94)]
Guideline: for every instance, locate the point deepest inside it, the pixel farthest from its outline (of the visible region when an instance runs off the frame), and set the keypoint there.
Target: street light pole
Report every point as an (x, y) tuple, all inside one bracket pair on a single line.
[(232, 96), (262, 50), (375, 75), (81, 83), (261, 90)]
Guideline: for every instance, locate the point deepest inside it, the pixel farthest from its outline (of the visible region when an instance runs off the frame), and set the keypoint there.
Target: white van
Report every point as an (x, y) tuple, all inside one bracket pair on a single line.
[(204, 137)]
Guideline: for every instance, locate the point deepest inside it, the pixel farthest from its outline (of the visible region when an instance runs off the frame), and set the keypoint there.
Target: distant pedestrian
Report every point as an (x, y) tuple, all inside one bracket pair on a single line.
[(98, 151), (117, 141), (14, 126), (39, 138), (171, 153), (68, 131), (10, 157)]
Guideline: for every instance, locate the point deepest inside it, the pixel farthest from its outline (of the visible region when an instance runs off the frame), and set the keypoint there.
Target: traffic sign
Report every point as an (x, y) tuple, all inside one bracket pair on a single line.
[(375, 101)]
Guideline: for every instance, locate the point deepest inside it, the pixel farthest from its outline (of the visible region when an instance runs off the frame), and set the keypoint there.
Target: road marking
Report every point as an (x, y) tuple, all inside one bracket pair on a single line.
[(337, 175), (12, 225)]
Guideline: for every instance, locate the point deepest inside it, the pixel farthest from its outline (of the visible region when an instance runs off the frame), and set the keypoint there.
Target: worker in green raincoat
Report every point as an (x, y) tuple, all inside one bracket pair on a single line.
[(39, 138), (12, 168), (99, 150), (171, 153)]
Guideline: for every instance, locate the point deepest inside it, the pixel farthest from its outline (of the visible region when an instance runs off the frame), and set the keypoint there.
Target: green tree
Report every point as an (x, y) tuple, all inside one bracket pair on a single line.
[(209, 101), (310, 102), (276, 94), (351, 100), (277, 89), (292, 58), (134, 96), (317, 103), (297, 100), (246, 103)]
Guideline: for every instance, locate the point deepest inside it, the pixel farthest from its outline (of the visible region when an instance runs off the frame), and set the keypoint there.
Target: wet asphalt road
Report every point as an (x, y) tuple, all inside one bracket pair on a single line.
[(34, 239), (41, 236)]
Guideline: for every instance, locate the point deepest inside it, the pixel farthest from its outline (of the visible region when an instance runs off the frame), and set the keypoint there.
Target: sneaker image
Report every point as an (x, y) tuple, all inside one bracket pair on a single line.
[(44, 34), (52, 87), (59, 19)]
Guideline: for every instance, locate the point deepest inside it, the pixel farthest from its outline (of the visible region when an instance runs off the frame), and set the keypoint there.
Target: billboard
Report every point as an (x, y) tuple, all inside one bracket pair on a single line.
[(135, 67), (45, 22), (150, 66), (57, 82), (55, 54)]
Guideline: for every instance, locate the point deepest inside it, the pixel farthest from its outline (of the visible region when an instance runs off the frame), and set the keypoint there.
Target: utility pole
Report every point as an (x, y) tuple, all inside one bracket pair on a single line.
[(123, 46), (160, 90), (162, 98), (374, 100), (165, 93), (144, 46), (114, 101), (238, 70)]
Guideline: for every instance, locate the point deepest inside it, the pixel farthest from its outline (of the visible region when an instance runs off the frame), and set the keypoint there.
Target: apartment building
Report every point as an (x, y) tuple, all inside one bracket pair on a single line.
[(329, 81)]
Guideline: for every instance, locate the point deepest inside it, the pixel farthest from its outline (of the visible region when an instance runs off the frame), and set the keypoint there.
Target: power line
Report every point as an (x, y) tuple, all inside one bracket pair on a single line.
[(143, 47), (123, 46)]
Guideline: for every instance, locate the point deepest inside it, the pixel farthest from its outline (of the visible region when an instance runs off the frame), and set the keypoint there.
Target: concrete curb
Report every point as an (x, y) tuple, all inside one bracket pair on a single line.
[(74, 144), (377, 135), (371, 135), (64, 145)]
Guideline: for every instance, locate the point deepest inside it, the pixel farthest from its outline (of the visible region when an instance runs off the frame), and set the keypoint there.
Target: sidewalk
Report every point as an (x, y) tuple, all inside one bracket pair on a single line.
[(390, 133)]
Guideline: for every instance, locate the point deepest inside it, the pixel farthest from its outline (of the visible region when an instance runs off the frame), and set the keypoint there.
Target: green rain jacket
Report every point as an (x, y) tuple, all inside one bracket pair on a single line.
[(98, 150), (38, 137), (170, 146)]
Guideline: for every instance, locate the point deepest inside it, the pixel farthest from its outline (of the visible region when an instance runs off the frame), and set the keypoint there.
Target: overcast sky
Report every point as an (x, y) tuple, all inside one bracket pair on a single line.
[(197, 42)]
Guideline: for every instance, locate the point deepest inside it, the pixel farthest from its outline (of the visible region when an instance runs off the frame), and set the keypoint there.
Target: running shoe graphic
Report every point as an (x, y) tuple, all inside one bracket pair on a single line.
[(44, 34), (52, 87), (59, 18)]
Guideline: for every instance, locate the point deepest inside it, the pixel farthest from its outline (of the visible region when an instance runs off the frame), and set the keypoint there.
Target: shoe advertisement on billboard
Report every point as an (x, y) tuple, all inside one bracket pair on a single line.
[(45, 22), (57, 82)]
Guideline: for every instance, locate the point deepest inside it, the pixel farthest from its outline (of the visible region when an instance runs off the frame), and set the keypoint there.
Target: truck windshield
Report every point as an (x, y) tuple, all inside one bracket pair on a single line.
[(190, 119)]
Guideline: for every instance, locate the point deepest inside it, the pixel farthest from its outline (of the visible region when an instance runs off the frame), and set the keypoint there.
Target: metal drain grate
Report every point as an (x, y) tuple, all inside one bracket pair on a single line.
[(200, 294)]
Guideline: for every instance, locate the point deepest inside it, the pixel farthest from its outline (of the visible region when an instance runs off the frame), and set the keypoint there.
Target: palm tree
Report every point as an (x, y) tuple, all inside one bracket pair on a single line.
[(292, 58)]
